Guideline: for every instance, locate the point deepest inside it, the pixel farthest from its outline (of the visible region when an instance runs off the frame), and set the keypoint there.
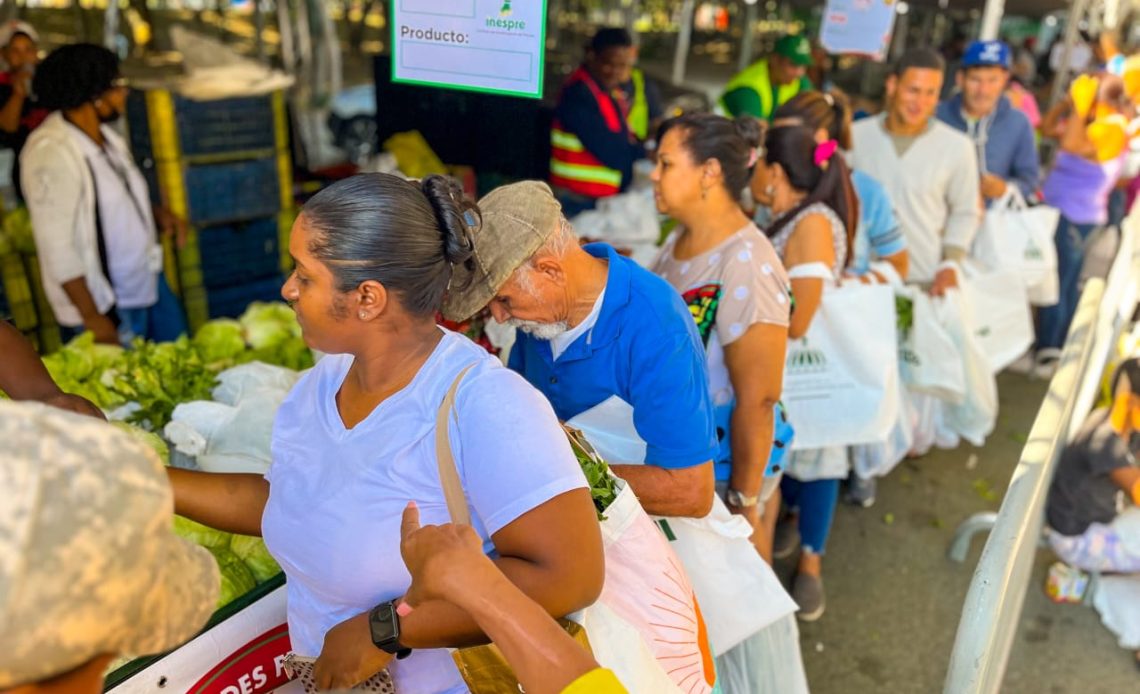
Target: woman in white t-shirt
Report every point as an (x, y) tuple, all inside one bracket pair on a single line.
[(808, 188), (354, 442)]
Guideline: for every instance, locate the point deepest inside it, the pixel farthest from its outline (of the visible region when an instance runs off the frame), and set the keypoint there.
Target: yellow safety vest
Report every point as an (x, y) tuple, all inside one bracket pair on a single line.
[(756, 77), (639, 111)]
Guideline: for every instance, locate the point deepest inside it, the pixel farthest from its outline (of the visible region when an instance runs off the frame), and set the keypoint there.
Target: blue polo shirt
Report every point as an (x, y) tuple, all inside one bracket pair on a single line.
[(645, 350)]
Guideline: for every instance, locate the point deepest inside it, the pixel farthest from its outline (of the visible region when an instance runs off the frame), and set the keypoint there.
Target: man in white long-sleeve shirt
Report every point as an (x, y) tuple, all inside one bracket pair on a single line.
[(930, 169)]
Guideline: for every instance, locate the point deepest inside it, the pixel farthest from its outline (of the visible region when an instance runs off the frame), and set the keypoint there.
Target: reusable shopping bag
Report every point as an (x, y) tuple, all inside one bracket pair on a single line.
[(928, 359), (1001, 320), (1019, 238), (605, 628), (974, 417), (840, 379), (738, 593)]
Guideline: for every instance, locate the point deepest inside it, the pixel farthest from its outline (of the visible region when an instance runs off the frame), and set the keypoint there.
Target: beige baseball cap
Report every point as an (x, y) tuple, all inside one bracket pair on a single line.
[(89, 562), (517, 220)]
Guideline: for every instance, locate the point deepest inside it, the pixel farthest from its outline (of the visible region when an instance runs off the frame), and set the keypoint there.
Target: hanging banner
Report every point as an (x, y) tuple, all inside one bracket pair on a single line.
[(494, 46), (861, 27)]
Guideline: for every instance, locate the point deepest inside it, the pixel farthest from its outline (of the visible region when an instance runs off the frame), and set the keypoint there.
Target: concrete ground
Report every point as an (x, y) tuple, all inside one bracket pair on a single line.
[(894, 598)]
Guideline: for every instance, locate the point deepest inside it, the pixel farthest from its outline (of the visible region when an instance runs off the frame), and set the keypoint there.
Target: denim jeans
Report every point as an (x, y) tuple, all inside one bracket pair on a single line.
[(161, 322), (816, 502), (1071, 241)]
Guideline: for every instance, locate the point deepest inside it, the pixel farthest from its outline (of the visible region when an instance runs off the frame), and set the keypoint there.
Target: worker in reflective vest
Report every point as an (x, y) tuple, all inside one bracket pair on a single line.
[(645, 111), (762, 87), (593, 146)]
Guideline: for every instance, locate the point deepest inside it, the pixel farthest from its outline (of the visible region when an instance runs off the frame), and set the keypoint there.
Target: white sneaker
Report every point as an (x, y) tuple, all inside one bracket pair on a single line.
[(1024, 365), (1048, 360)]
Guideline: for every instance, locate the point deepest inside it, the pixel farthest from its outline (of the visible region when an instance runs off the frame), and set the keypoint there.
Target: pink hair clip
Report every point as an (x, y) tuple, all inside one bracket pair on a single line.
[(753, 156), (823, 153)]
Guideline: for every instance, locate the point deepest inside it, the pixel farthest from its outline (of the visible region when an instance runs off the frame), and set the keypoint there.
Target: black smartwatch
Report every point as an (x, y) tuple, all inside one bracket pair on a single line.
[(385, 626)]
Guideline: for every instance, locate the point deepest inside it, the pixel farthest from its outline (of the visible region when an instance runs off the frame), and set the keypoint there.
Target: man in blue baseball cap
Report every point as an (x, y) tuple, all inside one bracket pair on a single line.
[(1007, 153)]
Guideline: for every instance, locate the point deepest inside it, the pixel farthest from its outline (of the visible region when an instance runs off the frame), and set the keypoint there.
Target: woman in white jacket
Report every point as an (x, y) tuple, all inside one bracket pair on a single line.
[(95, 230)]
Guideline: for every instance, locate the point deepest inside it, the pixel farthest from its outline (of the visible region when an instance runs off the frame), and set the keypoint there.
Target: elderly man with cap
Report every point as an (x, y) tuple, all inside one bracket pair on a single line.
[(604, 339), (762, 87), (616, 351), (91, 566), (1002, 135)]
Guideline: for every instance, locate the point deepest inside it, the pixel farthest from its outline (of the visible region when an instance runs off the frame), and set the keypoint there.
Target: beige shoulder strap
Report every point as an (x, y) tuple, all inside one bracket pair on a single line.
[(448, 473)]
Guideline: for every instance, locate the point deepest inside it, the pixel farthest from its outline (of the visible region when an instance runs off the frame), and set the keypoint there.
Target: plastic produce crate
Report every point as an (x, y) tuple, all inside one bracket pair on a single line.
[(163, 125), (234, 253), (19, 306), (231, 302), (50, 338), (242, 190)]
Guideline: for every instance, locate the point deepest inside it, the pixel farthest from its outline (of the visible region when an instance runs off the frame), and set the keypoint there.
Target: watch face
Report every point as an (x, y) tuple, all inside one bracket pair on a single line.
[(385, 628)]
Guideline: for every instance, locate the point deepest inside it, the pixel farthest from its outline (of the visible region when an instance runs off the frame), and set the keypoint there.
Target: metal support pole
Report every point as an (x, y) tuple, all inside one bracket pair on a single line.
[(898, 43), (1111, 14), (258, 31), (111, 25), (751, 11), (684, 39), (629, 16), (1072, 26), (288, 51), (991, 20)]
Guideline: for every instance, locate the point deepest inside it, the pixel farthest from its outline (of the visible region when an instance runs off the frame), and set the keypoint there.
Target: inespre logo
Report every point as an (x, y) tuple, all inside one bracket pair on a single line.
[(807, 360), (504, 21)]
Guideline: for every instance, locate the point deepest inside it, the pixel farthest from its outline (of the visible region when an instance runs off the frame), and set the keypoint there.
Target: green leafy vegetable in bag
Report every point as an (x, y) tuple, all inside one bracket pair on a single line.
[(602, 487)]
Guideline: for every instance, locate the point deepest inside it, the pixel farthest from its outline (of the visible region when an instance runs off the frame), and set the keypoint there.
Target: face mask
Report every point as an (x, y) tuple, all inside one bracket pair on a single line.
[(108, 118)]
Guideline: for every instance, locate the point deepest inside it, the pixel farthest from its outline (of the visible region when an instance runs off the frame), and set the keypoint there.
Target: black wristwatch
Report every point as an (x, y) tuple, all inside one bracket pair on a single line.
[(385, 626)]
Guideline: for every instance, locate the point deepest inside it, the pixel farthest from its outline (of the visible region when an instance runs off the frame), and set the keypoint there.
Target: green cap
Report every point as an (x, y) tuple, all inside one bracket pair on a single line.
[(795, 48)]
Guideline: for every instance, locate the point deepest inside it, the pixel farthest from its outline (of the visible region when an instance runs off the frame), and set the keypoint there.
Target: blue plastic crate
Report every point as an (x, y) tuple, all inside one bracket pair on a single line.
[(231, 302), (218, 193), (241, 252), (220, 127), (225, 125)]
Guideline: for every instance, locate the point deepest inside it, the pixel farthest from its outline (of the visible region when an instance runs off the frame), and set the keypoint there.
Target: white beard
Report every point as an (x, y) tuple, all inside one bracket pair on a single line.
[(542, 331)]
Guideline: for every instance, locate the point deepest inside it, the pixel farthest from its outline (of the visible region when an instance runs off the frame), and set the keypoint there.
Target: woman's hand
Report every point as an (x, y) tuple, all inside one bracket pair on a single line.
[(446, 561), (349, 657)]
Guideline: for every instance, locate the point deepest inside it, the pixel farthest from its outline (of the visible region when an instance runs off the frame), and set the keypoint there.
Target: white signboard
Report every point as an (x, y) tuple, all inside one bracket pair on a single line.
[(857, 26), (494, 46)]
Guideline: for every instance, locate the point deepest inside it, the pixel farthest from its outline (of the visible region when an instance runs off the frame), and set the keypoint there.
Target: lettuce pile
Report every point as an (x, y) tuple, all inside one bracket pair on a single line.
[(244, 561), (151, 379)]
